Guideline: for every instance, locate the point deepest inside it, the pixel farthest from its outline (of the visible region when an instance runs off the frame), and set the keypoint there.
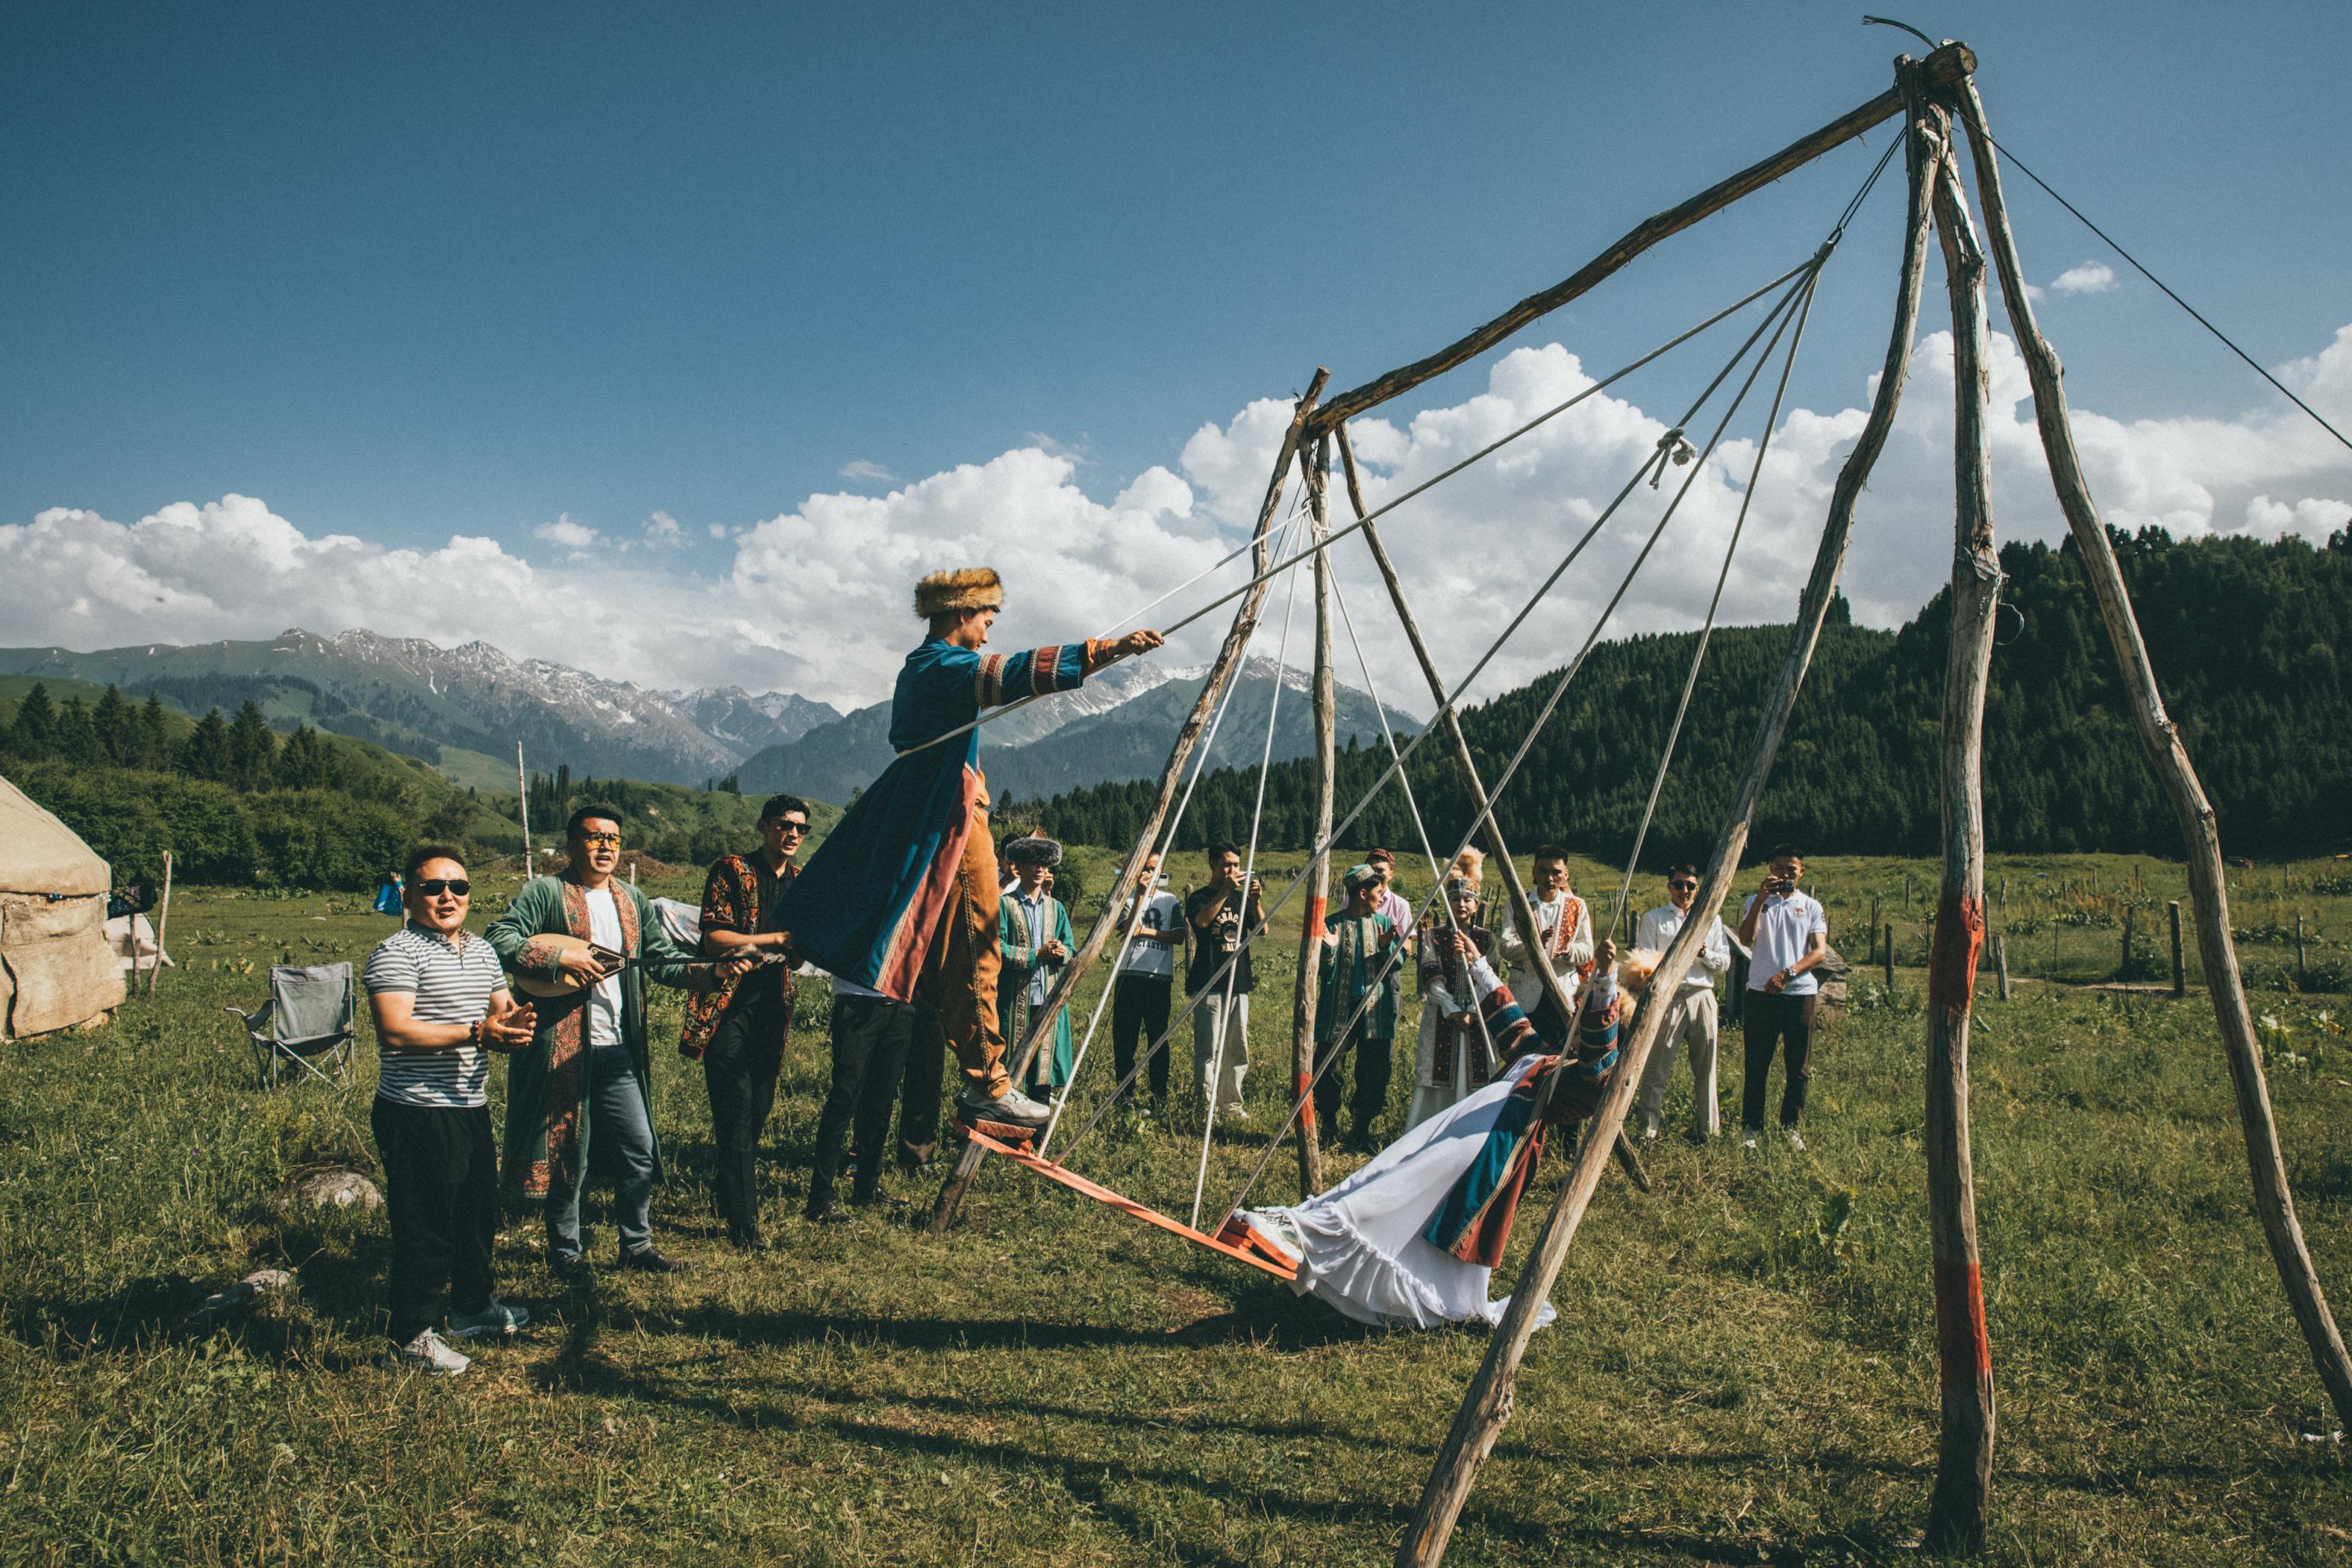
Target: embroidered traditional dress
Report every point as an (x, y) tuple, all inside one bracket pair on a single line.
[(1564, 930), (869, 902), (731, 902), (1354, 949), (1455, 1061), (1029, 975), (547, 1130)]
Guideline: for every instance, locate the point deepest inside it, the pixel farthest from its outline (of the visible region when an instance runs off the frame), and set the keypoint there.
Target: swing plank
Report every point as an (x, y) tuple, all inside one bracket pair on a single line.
[(1104, 1194)]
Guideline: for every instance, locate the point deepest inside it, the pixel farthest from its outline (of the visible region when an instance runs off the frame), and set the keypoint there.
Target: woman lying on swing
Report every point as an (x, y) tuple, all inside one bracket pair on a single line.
[(1409, 1240)]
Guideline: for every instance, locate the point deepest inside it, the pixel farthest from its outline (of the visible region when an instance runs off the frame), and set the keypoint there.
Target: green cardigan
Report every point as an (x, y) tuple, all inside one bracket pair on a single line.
[(538, 910), (1021, 962)]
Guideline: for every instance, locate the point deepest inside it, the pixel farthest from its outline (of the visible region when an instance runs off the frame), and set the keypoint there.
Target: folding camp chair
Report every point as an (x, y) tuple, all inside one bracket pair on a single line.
[(307, 1021)]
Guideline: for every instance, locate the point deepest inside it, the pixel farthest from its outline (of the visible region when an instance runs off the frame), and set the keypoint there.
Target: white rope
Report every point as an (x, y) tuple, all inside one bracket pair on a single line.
[(1249, 870), (1168, 845)]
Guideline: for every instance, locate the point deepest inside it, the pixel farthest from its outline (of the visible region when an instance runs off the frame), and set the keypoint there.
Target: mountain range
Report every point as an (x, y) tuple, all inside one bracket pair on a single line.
[(463, 709)]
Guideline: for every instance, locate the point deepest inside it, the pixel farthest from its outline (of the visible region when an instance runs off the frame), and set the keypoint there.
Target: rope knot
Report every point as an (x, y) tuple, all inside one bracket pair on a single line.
[(1671, 446)]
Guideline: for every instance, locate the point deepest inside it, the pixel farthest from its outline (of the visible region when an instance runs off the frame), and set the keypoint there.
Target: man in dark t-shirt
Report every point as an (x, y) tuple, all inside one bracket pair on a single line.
[(1218, 920)]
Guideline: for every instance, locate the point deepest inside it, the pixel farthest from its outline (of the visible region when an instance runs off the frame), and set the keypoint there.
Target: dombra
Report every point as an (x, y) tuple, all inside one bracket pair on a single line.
[(531, 965)]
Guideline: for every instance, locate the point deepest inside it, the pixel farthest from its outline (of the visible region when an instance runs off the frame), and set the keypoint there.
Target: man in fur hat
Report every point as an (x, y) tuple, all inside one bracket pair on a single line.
[(901, 900)]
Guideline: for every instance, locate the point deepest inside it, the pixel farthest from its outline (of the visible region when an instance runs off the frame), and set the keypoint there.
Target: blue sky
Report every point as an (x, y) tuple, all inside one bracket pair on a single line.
[(405, 273)]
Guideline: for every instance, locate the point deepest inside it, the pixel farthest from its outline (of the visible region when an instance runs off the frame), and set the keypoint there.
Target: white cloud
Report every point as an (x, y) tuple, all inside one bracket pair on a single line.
[(865, 471), (2091, 277), (565, 532), (662, 530), (815, 597), (717, 530)]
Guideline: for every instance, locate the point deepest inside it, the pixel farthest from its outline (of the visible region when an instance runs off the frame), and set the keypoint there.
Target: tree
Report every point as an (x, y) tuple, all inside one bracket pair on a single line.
[(76, 738), (252, 750), (154, 742), (34, 732), (304, 761), (118, 729), (205, 753)]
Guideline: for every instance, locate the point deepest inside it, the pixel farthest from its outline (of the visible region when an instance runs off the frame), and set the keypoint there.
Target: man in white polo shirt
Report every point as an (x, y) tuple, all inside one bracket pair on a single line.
[(1789, 935), (1147, 979), (1690, 1020), (441, 1004)]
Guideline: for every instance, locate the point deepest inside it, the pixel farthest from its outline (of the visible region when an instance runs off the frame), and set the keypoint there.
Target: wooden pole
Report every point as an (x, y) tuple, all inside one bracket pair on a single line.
[(1948, 64), (1956, 1513), (1318, 875), (2301, 963), (2000, 961), (163, 928), (2123, 972), (1221, 671), (1873, 925), (1482, 807), (1890, 956), (2179, 965), (1486, 1404), (2169, 758)]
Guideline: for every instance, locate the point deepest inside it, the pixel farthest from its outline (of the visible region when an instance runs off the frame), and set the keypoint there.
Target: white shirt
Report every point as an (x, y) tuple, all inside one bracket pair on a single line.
[(1548, 914), (604, 1001), (1780, 934), (1659, 927), (842, 987), (1159, 913)]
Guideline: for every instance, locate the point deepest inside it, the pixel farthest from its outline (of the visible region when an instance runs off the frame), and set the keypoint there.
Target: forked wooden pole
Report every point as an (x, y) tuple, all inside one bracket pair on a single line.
[(1487, 1404), (1304, 995), (2273, 1200), (1106, 925), (1523, 914), (1956, 1515)]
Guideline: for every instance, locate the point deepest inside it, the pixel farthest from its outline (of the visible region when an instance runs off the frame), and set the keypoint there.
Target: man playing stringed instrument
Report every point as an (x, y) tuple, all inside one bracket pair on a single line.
[(1564, 930)]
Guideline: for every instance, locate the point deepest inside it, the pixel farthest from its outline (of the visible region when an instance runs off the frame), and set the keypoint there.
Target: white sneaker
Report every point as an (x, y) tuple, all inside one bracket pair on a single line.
[(1650, 1135), (428, 1353), (1013, 1107), (1796, 1140), (1747, 1141)]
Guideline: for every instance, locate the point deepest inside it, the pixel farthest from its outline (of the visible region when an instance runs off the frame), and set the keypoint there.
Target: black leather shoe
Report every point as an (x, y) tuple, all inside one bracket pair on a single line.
[(887, 1200), (571, 1269), (827, 1213), (747, 1241), (652, 1259)]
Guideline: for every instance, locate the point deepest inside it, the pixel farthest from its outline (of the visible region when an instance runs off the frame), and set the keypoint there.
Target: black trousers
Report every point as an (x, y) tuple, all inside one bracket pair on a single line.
[(925, 1079), (1767, 1019), (441, 1189), (739, 1069), (871, 1038), (1373, 1063), (1138, 1013)]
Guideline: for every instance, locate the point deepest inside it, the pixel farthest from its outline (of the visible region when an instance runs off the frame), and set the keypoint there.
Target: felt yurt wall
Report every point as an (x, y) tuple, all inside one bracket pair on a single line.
[(55, 969)]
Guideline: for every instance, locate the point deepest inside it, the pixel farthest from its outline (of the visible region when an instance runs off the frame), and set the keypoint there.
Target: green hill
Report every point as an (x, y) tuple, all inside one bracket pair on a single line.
[(2244, 635)]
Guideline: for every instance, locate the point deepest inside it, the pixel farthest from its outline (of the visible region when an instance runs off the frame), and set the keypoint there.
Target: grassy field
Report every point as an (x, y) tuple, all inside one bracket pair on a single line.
[(1743, 1371)]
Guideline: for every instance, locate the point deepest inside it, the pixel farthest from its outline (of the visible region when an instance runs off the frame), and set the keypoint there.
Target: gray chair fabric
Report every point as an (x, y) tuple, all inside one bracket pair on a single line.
[(306, 1023)]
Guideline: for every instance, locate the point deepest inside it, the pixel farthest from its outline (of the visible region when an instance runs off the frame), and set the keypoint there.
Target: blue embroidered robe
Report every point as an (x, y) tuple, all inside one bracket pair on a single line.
[(868, 904)]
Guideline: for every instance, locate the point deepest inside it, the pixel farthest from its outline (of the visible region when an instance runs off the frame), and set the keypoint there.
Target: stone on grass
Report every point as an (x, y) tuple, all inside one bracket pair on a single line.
[(333, 1187)]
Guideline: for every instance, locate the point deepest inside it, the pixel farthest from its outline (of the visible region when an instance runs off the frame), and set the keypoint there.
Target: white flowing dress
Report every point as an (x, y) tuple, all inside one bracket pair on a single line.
[(1358, 1247)]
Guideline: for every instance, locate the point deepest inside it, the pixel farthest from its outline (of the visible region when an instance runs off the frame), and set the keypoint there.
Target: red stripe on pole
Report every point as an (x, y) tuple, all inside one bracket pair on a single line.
[(1962, 1345), (1952, 964)]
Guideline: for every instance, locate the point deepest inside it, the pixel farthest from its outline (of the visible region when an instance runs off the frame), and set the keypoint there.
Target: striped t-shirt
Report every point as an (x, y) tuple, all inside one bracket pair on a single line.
[(453, 980)]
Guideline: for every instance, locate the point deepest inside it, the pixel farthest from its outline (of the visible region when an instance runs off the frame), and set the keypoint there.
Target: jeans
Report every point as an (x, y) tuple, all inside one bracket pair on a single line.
[(1139, 1017), (1213, 1019), (441, 1189), (739, 1068), (1772, 1018), (620, 1139), (926, 1072), (870, 1037), (1690, 1020), (1374, 1060)]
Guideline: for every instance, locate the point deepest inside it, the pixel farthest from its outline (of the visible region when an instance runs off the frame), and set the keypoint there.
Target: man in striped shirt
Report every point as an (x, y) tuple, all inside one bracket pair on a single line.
[(441, 1005)]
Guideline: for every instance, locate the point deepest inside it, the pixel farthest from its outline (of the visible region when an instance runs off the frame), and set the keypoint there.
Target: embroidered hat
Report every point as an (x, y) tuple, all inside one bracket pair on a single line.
[(971, 588), (1036, 848), (1359, 876), (1387, 855)]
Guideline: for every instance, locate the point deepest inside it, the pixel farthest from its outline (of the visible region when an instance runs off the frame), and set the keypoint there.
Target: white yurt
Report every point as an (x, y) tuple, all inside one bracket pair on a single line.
[(56, 968)]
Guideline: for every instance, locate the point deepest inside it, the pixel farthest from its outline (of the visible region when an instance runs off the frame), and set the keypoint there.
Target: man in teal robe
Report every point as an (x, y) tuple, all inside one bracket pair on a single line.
[(1033, 940)]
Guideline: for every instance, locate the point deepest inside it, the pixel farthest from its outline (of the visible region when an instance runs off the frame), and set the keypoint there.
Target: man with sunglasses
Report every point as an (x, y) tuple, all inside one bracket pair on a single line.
[(1690, 1016), (740, 1030), (585, 1087), (441, 1005)]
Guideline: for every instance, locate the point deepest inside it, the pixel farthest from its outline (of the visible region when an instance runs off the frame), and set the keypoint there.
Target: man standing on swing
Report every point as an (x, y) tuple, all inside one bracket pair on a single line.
[(902, 899)]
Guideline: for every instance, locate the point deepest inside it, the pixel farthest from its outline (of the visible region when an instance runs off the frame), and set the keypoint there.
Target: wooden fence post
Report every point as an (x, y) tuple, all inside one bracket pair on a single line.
[(2179, 968), (1486, 1403), (2302, 965), (2125, 972), (1890, 958), (163, 928), (1873, 925), (2000, 961), (2169, 758)]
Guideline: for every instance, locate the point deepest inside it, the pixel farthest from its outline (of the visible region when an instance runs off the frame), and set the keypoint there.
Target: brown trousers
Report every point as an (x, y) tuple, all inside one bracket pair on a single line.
[(959, 984)]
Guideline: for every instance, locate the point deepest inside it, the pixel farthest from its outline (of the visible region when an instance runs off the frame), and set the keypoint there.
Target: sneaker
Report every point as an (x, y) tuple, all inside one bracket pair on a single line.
[(827, 1213), (1012, 1107), (497, 1318), (571, 1269), (428, 1353), (1747, 1141), (652, 1259), (1650, 1133), (1796, 1140)]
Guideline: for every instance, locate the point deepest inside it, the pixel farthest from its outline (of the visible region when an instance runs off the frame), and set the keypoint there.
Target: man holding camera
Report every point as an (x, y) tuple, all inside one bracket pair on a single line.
[(587, 1070), (441, 1005), (1789, 935)]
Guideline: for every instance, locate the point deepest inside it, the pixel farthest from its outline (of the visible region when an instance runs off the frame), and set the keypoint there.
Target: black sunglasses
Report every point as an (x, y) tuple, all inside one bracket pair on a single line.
[(434, 886), (787, 825)]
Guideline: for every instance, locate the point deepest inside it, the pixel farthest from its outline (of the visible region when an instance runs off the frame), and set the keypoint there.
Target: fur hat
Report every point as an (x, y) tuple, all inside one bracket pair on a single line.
[(971, 588), (1634, 971), (1034, 849), (1470, 866)]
